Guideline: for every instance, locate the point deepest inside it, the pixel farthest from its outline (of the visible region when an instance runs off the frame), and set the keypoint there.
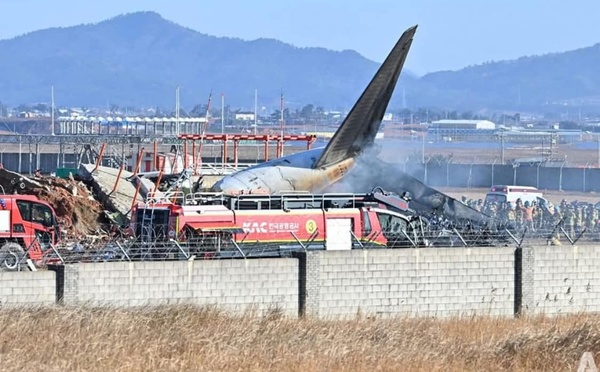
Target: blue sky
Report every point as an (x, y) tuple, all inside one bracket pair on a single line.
[(452, 33)]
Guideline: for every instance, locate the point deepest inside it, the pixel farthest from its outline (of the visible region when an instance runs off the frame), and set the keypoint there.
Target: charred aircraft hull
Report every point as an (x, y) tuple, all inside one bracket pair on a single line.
[(371, 172)]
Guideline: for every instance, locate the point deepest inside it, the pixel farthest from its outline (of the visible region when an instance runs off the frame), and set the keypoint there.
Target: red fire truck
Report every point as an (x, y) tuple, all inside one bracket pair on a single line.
[(27, 225), (258, 225)]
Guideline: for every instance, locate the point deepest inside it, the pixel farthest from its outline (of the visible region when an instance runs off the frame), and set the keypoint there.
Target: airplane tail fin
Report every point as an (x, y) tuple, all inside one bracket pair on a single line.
[(360, 127)]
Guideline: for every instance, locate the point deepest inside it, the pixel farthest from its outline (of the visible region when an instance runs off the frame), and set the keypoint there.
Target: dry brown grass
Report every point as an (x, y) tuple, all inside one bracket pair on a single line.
[(205, 339)]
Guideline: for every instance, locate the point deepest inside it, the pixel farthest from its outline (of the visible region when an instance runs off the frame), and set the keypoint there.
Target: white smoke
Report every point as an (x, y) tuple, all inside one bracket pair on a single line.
[(370, 172)]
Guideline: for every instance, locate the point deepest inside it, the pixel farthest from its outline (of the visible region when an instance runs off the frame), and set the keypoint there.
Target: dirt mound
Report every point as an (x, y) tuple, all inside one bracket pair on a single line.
[(75, 207)]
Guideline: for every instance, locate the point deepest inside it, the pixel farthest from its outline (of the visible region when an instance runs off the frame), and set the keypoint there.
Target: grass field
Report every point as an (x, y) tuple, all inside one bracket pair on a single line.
[(205, 339)]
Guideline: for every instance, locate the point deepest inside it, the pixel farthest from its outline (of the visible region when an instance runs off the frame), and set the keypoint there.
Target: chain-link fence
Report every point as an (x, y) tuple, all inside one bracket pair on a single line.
[(437, 173)]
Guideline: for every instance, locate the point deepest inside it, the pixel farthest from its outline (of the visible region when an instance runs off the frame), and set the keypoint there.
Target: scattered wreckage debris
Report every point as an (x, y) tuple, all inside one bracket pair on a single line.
[(115, 188)]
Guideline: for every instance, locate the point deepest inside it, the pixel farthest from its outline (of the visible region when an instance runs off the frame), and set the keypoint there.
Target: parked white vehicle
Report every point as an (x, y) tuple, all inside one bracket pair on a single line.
[(510, 193)]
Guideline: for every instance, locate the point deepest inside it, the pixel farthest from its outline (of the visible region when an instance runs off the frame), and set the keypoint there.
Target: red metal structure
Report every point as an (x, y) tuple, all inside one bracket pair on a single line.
[(236, 138), (27, 224), (209, 223)]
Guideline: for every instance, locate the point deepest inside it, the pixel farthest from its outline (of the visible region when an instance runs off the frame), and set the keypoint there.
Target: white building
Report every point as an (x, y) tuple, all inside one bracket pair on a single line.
[(244, 116), (453, 130), (463, 124)]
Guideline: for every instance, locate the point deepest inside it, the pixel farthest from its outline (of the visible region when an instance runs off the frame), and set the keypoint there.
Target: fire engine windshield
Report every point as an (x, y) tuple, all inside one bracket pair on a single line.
[(390, 224), (399, 231), (42, 214)]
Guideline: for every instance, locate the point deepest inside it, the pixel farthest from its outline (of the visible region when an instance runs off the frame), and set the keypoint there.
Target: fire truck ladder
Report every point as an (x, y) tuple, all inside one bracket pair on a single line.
[(147, 224), (147, 219)]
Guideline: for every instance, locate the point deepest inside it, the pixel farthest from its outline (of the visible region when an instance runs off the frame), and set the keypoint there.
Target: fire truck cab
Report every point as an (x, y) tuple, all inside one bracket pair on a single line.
[(211, 224), (27, 225)]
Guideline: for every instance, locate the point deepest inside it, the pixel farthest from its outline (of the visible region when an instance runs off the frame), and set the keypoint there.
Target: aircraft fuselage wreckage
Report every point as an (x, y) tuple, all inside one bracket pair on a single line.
[(314, 170), (318, 169)]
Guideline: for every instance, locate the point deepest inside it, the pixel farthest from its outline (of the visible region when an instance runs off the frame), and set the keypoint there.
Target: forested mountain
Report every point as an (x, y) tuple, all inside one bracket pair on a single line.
[(569, 77), (140, 58)]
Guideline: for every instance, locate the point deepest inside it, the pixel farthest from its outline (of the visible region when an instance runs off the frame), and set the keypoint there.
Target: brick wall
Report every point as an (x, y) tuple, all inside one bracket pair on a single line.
[(422, 282), (231, 284), (27, 288)]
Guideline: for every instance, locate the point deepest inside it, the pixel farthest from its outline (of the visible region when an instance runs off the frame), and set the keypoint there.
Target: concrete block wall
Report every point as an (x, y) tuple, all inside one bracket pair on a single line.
[(566, 279), (27, 288), (413, 282), (419, 282), (235, 285)]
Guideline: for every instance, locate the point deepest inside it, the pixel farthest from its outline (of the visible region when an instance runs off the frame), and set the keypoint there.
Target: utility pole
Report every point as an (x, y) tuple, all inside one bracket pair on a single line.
[(281, 126), (176, 111), (255, 110), (222, 113), (598, 140), (281, 122), (502, 146), (52, 114), (423, 147)]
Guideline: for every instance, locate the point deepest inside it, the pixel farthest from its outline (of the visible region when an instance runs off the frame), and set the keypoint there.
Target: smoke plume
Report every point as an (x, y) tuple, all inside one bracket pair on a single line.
[(371, 172)]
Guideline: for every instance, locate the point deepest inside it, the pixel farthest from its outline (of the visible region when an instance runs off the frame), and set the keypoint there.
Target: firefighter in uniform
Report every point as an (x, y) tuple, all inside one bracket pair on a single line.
[(569, 219), (510, 215), (519, 213), (578, 218), (594, 218), (555, 219)]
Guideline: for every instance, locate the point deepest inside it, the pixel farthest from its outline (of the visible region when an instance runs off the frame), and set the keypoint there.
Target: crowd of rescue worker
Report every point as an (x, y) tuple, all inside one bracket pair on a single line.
[(541, 214)]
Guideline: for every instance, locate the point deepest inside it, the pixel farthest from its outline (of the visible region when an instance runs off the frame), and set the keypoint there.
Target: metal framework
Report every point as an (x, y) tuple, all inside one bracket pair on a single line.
[(129, 126), (237, 138)]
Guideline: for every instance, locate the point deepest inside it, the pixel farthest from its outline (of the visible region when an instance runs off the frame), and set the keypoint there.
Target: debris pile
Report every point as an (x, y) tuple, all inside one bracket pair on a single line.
[(75, 206), (77, 211)]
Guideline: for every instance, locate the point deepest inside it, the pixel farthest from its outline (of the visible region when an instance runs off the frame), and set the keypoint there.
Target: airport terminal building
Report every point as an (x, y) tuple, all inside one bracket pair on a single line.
[(461, 130)]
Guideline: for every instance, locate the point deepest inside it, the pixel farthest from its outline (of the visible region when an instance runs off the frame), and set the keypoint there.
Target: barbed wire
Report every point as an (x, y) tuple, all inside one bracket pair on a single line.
[(224, 246)]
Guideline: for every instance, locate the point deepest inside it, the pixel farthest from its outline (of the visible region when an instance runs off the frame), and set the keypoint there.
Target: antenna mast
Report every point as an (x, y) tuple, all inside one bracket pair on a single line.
[(204, 125), (208, 109)]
